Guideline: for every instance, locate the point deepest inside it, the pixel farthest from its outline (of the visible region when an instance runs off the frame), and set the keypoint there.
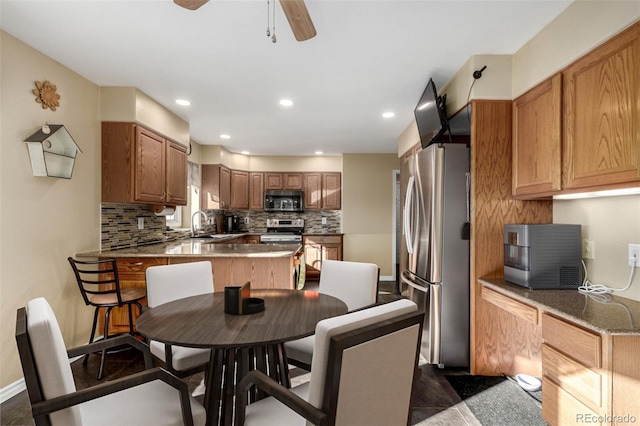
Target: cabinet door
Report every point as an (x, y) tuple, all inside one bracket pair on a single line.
[(150, 167), (239, 189), (331, 194), (210, 189), (273, 181), (313, 259), (537, 164), (256, 191), (312, 191), (292, 181), (332, 252), (601, 115), (176, 174), (225, 187)]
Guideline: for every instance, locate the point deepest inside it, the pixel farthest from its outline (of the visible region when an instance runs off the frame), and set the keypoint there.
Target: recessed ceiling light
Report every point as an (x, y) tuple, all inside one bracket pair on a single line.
[(318, 152), (286, 102), (183, 102), (244, 152), (388, 114), (225, 136)]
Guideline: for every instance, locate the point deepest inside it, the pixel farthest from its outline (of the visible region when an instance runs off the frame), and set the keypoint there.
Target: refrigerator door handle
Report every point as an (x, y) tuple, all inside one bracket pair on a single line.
[(416, 282), (408, 198), (431, 332)]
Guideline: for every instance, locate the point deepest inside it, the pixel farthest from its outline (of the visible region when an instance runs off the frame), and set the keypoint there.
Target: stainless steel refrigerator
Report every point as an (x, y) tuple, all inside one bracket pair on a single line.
[(435, 249)]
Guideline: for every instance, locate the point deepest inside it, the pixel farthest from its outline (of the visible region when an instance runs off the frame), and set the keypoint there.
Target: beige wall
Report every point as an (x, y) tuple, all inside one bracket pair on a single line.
[(368, 182), (612, 223), (582, 26), (44, 220), (131, 105)]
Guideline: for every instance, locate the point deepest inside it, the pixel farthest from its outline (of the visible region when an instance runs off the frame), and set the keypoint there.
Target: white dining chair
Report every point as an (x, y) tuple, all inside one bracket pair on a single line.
[(166, 283), (153, 396), (363, 372), (355, 283)]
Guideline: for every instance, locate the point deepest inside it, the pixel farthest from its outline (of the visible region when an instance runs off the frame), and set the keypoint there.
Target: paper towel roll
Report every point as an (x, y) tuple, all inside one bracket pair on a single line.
[(166, 211)]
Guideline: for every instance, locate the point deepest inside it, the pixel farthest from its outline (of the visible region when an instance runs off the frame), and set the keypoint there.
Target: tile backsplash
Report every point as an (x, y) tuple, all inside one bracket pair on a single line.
[(119, 224)]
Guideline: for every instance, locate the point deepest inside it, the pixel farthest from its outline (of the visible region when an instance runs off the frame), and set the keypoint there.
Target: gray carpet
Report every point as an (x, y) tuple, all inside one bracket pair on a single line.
[(498, 400)]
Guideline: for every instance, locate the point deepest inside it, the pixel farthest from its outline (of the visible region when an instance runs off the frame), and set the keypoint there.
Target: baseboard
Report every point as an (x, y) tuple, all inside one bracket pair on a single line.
[(12, 390), (387, 278), (8, 392)]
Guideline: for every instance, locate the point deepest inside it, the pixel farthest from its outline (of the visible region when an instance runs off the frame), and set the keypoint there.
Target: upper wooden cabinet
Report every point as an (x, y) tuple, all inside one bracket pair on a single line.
[(283, 181), (256, 190), (580, 130), (536, 139), (239, 189), (176, 174), (601, 143), (139, 166), (216, 187), (322, 191)]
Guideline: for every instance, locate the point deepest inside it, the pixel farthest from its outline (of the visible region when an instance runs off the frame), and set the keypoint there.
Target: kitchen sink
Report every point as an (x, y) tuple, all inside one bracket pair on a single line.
[(212, 236)]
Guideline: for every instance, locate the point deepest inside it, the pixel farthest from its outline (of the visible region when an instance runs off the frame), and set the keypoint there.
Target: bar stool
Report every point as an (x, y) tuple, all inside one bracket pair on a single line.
[(100, 287)]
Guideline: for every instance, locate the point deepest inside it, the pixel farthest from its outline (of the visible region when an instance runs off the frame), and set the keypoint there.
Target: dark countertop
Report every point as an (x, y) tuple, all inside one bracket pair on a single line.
[(617, 315), (200, 247)]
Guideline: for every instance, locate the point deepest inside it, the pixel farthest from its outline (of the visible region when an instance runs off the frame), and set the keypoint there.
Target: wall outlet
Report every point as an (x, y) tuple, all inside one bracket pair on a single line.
[(324, 220), (588, 249), (140, 223), (246, 220), (634, 251)]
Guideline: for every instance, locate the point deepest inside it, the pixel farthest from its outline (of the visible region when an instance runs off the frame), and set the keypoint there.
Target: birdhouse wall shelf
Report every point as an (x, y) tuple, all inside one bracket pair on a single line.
[(52, 151)]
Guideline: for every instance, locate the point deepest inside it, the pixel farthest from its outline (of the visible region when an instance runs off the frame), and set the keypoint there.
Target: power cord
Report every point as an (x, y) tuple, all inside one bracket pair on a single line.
[(588, 287)]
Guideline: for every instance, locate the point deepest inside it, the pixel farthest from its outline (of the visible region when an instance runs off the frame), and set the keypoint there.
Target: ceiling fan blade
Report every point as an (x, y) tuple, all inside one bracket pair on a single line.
[(299, 19), (190, 4)]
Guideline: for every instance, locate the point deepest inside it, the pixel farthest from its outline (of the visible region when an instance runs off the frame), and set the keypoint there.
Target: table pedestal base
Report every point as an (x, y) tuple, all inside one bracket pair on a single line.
[(228, 366)]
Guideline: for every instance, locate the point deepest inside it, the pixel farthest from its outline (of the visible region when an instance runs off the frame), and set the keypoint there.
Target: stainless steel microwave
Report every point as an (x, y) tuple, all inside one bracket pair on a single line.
[(283, 201)]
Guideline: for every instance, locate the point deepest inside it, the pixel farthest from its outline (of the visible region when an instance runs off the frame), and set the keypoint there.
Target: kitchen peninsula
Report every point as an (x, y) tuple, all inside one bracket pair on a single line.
[(266, 266)]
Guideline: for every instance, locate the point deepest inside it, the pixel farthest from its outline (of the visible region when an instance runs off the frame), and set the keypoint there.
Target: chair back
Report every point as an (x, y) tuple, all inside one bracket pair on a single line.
[(355, 283), (96, 277), (44, 360), (364, 362), (166, 283)]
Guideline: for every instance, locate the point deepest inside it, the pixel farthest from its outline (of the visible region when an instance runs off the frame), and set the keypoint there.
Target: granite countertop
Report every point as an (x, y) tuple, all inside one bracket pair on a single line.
[(199, 247), (617, 315)]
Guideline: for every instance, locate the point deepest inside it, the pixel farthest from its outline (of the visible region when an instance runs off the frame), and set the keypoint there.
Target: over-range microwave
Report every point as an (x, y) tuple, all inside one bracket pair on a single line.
[(283, 201)]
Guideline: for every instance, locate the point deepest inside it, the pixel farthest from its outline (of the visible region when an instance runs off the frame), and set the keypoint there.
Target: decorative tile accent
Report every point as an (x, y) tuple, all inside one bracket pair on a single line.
[(119, 224)]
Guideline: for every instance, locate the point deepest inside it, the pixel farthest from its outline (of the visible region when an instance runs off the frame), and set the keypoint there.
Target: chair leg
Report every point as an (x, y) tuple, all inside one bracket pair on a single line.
[(106, 335), (93, 333), (130, 319)]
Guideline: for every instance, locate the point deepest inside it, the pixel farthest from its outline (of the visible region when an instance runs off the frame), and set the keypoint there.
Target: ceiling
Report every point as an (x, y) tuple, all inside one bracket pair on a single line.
[(369, 57)]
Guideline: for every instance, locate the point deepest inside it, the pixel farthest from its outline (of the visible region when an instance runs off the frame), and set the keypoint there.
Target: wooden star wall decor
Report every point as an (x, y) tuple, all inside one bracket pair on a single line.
[(46, 95)]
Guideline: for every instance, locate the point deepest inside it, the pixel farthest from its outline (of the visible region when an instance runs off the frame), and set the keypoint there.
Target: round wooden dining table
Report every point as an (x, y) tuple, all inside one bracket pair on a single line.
[(239, 343)]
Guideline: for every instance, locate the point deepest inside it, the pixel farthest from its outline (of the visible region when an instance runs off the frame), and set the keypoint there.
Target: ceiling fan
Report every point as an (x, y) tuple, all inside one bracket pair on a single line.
[(295, 11)]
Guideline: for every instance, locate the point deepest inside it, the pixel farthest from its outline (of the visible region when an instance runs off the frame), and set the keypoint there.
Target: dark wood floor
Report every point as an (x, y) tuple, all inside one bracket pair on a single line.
[(434, 402)]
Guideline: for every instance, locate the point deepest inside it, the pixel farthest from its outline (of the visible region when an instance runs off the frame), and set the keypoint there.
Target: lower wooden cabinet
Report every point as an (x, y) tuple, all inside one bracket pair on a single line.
[(318, 248), (588, 378)]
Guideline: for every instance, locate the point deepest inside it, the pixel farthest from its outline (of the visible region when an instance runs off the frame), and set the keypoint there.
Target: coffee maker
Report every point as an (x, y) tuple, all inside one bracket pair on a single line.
[(232, 224)]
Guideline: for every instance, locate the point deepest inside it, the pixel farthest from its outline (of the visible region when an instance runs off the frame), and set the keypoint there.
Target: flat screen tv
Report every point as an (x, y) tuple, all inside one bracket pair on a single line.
[(430, 116)]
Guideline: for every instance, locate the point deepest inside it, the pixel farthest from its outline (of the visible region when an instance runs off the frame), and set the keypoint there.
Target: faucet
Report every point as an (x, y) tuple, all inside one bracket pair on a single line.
[(194, 229)]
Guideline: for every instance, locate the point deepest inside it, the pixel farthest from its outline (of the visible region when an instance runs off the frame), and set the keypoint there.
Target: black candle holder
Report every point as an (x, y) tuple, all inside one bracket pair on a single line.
[(238, 300)]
